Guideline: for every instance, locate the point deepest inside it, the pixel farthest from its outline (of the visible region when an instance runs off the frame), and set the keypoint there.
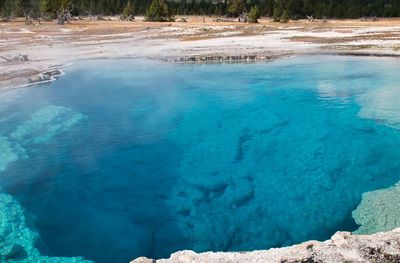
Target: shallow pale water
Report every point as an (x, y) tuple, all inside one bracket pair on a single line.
[(126, 158)]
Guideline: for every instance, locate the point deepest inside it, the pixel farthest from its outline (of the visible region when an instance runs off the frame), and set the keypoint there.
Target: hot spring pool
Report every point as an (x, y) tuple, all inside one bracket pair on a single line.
[(125, 158)]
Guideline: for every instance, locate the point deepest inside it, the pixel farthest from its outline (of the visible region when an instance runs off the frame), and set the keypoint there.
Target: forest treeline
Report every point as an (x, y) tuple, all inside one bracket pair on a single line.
[(279, 9)]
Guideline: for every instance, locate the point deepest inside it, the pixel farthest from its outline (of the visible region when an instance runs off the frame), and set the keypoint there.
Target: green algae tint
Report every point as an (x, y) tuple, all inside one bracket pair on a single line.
[(127, 158)]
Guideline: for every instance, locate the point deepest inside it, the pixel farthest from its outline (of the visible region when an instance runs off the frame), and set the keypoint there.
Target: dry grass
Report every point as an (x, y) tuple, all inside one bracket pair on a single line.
[(106, 29)]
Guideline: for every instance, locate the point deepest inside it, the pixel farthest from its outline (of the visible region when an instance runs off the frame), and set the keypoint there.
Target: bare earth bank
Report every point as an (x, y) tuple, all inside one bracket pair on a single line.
[(48, 46)]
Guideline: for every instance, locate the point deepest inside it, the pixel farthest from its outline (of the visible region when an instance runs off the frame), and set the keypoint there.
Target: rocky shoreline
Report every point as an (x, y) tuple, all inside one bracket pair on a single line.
[(217, 58), (53, 73), (382, 247), (265, 57), (194, 41)]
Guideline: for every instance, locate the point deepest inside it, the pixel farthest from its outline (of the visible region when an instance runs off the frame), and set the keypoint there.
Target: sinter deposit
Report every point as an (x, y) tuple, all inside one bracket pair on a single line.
[(342, 247)]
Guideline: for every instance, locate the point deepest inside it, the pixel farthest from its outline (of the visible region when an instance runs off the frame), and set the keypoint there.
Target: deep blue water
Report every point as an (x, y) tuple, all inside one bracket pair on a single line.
[(126, 158)]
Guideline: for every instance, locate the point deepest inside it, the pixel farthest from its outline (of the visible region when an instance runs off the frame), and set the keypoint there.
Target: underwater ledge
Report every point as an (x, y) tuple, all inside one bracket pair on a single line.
[(378, 211), (376, 240), (17, 240)]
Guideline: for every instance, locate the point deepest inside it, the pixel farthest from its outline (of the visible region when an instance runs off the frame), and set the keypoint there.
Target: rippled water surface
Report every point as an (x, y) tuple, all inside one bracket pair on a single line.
[(126, 158)]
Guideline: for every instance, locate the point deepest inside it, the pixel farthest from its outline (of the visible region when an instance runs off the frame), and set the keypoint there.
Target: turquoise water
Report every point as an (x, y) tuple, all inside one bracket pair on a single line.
[(126, 158)]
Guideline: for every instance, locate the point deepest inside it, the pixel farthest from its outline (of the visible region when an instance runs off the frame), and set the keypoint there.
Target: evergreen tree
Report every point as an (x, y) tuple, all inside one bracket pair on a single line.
[(10, 8), (254, 14), (294, 8), (236, 8), (278, 10), (44, 7), (284, 17), (127, 14), (308, 8), (159, 12)]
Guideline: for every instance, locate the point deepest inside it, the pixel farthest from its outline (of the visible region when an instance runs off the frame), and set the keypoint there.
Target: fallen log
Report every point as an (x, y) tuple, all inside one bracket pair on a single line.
[(18, 58)]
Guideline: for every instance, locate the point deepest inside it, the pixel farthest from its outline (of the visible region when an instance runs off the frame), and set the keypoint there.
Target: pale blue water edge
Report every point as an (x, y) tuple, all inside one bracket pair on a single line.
[(126, 158)]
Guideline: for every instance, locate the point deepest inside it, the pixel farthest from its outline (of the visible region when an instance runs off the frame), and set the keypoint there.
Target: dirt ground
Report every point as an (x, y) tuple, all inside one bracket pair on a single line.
[(49, 45)]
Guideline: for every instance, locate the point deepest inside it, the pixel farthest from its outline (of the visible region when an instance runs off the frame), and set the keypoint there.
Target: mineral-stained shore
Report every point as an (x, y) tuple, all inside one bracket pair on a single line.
[(342, 247), (47, 46)]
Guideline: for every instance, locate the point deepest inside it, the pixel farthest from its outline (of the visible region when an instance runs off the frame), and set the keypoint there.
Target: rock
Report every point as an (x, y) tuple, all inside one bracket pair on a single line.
[(46, 76), (342, 247), (143, 260), (18, 58), (221, 58), (38, 78)]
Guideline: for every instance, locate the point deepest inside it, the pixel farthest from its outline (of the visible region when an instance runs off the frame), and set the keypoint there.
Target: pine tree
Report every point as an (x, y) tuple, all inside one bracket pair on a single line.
[(308, 8), (159, 12), (127, 14), (254, 14), (44, 7), (284, 17), (278, 9), (294, 8), (275, 8), (236, 8), (10, 8)]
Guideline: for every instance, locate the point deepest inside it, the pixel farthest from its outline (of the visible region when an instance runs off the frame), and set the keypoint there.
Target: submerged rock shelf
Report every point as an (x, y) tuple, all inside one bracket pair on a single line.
[(17, 240), (379, 211), (41, 127)]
